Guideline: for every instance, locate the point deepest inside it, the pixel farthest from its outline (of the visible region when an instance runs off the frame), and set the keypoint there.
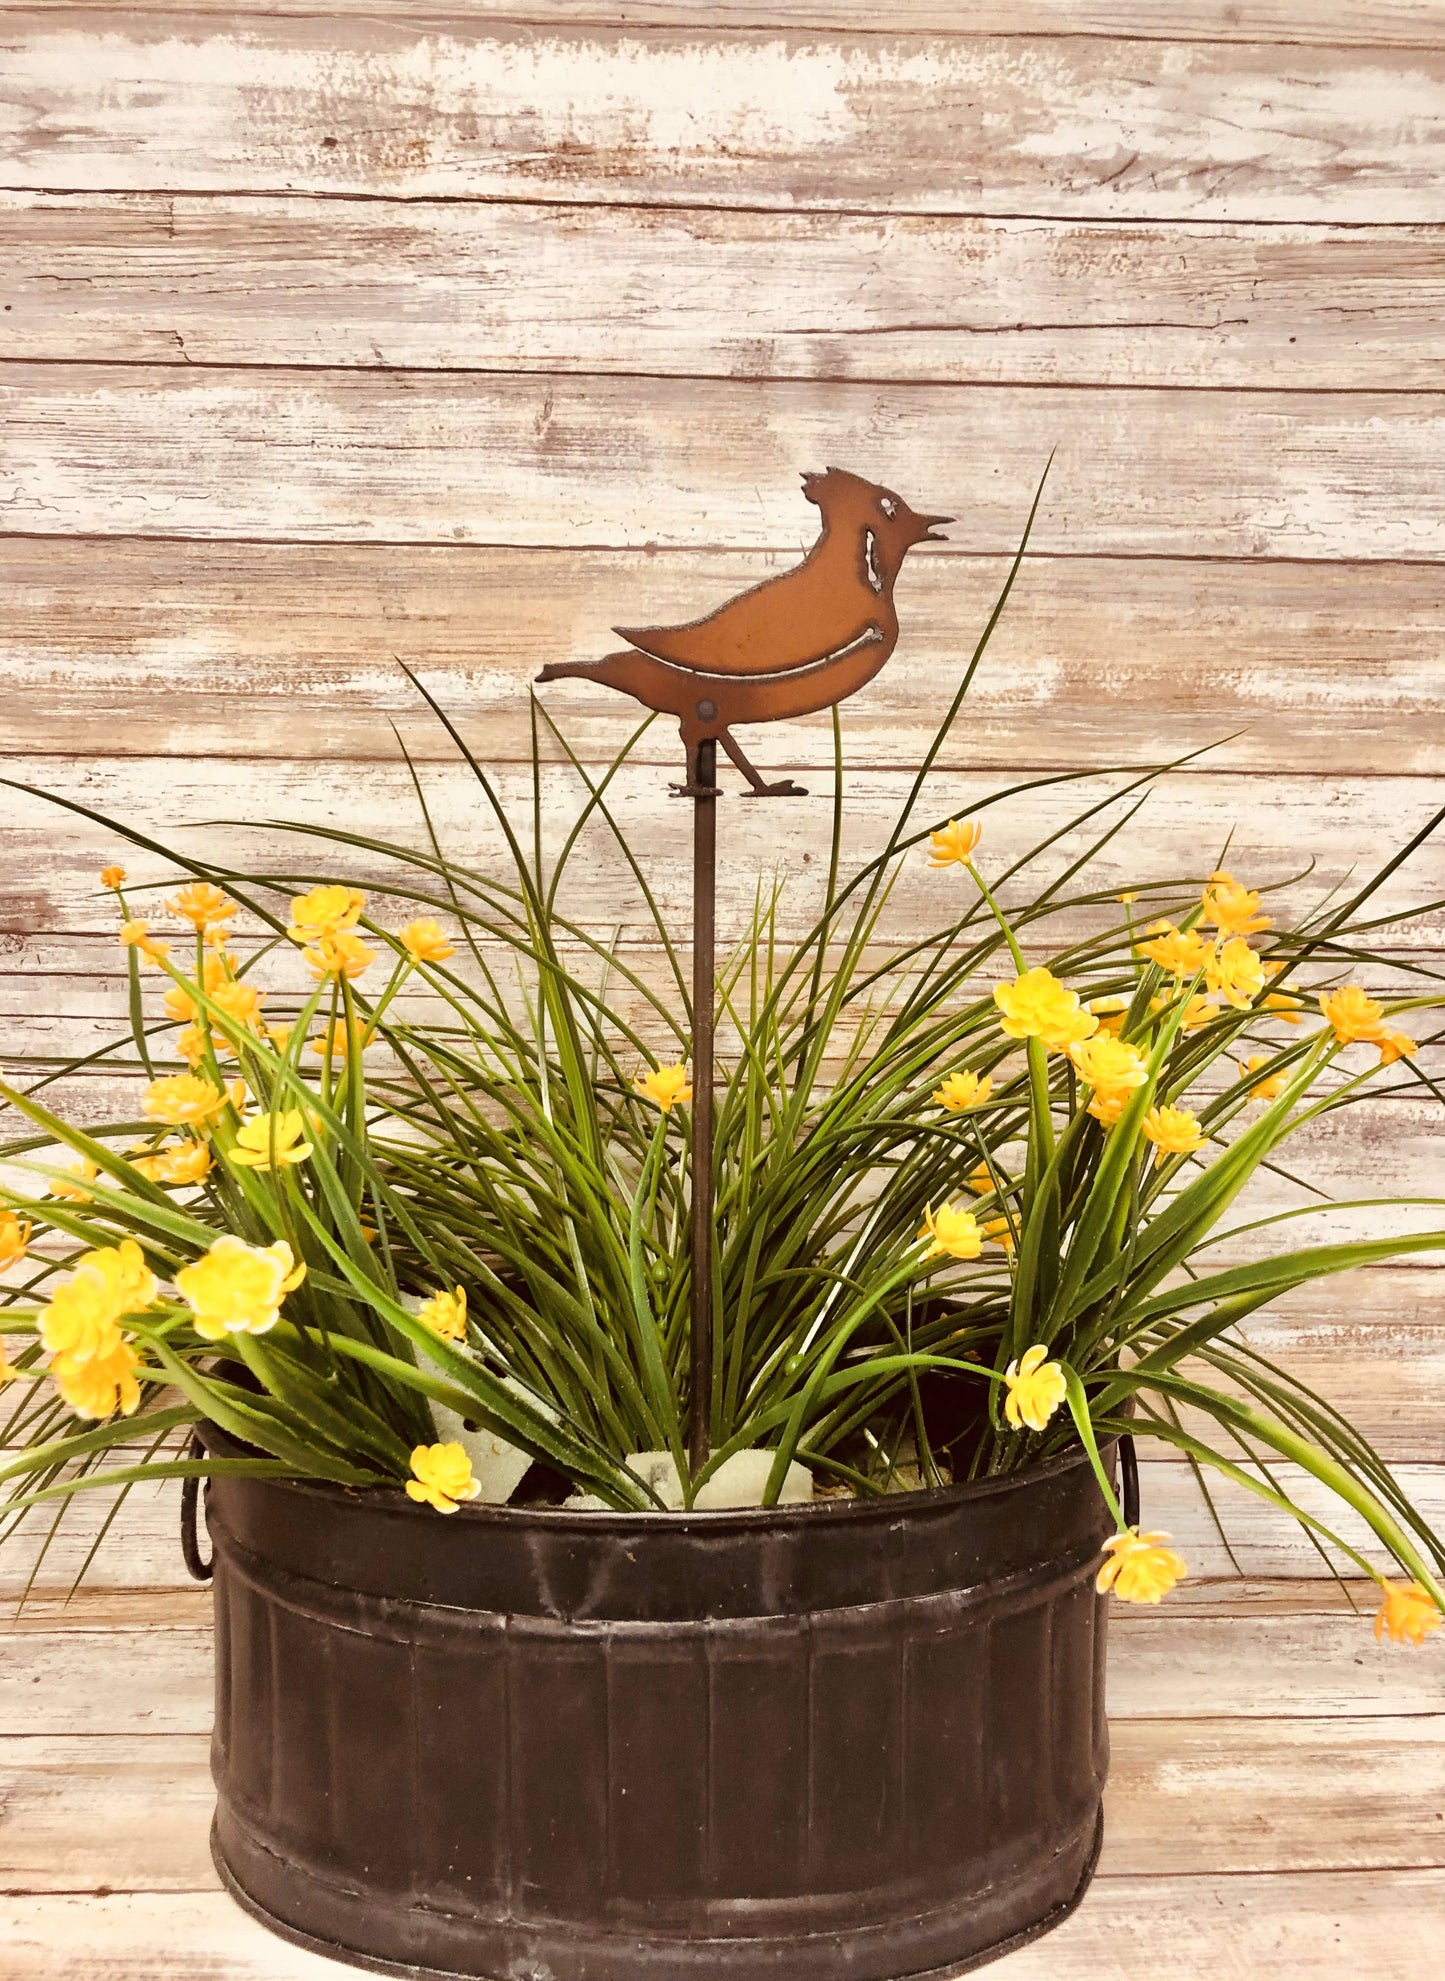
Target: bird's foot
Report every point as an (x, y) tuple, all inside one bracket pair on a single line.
[(783, 789), (695, 790)]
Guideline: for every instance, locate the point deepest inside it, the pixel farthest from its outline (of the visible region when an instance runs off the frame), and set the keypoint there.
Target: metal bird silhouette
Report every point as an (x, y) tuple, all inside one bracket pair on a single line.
[(794, 644)]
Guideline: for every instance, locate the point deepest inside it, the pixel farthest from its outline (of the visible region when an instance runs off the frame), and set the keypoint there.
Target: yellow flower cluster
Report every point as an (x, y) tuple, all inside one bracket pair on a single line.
[(1356, 1017), (237, 1288), (446, 1314), (14, 1239), (1174, 1131), (1140, 1568), (1036, 1388), (443, 1477), (1181, 952), (94, 1365), (1113, 1068), (190, 1100), (1406, 1614), (954, 844), (1232, 908), (665, 1086), (1037, 1006), (961, 1091), (951, 1231)]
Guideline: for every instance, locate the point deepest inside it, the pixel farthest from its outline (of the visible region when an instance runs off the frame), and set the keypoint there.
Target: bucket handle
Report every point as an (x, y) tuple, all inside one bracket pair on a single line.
[(199, 1571), (1129, 1479)]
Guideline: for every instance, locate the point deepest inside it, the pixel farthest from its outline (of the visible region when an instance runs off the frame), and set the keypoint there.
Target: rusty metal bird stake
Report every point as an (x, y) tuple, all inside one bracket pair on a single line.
[(802, 641)]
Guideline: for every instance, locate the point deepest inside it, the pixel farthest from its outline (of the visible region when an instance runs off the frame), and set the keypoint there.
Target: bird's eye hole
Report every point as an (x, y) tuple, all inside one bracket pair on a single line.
[(889, 505)]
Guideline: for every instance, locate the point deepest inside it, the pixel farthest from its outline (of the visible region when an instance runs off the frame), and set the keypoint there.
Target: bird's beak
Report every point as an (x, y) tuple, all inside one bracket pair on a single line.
[(930, 525)]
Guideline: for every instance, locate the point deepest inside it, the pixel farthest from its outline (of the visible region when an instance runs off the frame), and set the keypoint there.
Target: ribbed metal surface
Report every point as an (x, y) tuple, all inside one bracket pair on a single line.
[(564, 1789)]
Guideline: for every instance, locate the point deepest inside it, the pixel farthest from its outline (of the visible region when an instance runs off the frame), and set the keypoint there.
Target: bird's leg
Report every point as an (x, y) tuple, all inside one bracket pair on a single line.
[(784, 789), (694, 787)]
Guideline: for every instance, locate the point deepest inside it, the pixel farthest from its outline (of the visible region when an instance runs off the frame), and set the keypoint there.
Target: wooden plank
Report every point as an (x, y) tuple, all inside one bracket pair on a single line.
[(96, 1814), (186, 650), (424, 457), (125, 1664), (142, 1550), (1077, 125), (177, 280), (1335, 23), (1187, 822), (1331, 1928)]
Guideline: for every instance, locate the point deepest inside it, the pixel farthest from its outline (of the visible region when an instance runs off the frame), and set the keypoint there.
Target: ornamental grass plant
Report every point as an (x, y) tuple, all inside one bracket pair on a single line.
[(413, 1159)]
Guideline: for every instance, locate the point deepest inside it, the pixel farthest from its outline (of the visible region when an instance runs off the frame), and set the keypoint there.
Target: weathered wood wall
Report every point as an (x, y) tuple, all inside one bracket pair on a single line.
[(341, 330)]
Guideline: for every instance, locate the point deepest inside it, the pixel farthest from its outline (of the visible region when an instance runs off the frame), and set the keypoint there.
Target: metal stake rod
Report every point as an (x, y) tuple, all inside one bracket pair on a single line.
[(704, 941)]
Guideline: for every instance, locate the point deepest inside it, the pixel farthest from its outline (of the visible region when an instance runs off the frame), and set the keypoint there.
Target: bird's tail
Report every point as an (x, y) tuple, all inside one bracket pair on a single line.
[(577, 670)]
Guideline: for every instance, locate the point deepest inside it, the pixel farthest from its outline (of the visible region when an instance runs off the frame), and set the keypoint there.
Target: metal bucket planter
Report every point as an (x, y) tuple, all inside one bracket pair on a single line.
[(848, 1742)]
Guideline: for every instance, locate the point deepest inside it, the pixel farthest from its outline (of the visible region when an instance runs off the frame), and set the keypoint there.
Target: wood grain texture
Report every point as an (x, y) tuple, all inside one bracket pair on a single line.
[(1179, 836), (417, 457), (1173, 1929), (1333, 23), (257, 651), (1212, 1796), (1091, 128), (501, 286)]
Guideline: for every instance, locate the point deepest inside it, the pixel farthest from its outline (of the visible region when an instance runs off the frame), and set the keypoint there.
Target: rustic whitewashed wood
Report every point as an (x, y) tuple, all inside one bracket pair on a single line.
[(1336, 23), (121, 1814), (162, 279), (1077, 125), (1297, 1650), (1272, 833), (1173, 1929), (287, 650), (584, 462)]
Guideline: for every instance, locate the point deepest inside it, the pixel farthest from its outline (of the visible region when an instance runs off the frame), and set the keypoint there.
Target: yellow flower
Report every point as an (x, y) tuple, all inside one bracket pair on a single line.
[(1108, 1109), (1406, 1613), (183, 1100), (1284, 1004), (112, 876), (178, 1002), (342, 954), (82, 1321), (1111, 1013), (183, 1162), (1232, 908), (191, 1044), (1353, 1015), (14, 1239), (238, 1288), (1127, 896), (1182, 952), (961, 1091), (998, 1231), (446, 1314), (1197, 1011), (100, 1386), (325, 911), (1037, 1006), (425, 942), (280, 1036), (953, 845), (8, 1371), (1395, 1045), (201, 904), (1109, 1064), (268, 1140), (133, 935), (241, 1002), (1234, 972), (666, 1085), (72, 1193), (951, 1231), (980, 1179), (335, 1043), (1174, 1130), (1036, 1388), (443, 1476), (1265, 1090), (1140, 1567)]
